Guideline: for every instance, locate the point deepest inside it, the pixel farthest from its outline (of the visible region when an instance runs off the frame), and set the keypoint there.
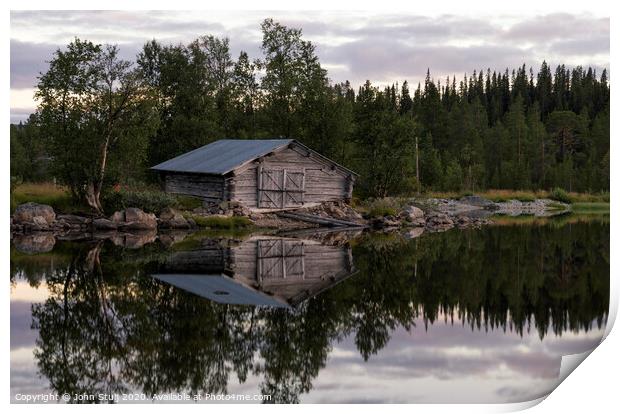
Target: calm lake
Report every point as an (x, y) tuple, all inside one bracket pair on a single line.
[(474, 315)]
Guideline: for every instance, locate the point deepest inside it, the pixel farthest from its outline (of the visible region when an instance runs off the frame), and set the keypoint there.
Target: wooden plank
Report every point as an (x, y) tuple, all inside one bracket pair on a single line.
[(259, 180)]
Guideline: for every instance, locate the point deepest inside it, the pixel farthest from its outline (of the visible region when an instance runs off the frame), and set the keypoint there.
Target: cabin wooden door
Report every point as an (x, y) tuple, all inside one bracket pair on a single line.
[(280, 259), (280, 188)]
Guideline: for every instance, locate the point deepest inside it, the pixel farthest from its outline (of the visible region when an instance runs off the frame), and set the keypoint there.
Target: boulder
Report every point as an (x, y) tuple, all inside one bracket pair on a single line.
[(26, 213), (118, 217), (34, 243), (173, 219), (104, 224), (385, 222), (439, 221), (134, 219), (412, 213)]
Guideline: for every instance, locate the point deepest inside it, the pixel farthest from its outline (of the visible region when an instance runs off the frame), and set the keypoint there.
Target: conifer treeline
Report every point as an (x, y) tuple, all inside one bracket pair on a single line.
[(511, 130), (518, 129)]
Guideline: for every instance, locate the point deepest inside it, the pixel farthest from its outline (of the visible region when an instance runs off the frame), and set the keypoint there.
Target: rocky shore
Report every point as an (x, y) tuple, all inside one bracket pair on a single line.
[(36, 227)]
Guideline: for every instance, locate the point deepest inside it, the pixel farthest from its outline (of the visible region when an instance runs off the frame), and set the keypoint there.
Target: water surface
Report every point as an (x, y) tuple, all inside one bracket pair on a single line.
[(460, 316)]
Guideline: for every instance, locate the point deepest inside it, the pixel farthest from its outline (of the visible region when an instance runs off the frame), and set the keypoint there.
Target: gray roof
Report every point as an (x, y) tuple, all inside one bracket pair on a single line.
[(221, 157), (221, 289)]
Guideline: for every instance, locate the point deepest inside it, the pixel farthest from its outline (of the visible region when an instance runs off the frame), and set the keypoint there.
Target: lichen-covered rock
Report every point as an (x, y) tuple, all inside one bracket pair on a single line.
[(136, 219), (26, 214), (412, 213), (172, 219)]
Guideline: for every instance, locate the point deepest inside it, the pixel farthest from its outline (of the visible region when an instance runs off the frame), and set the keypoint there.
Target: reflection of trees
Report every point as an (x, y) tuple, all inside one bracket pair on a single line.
[(107, 326)]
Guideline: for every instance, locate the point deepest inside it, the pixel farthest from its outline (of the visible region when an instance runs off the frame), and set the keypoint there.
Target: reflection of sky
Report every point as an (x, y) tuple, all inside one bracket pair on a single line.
[(443, 363)]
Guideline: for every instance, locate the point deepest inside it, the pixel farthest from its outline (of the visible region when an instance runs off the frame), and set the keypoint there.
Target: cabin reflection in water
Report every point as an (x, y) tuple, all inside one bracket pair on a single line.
[(261, 271)]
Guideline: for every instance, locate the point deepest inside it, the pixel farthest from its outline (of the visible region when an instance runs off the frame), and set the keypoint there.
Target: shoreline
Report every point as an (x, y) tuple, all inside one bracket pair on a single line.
[(132, 228)]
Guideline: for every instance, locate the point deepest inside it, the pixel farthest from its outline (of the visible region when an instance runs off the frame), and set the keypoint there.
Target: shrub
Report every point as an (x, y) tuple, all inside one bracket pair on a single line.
[(559, 194), (383, 207), (147, 200)]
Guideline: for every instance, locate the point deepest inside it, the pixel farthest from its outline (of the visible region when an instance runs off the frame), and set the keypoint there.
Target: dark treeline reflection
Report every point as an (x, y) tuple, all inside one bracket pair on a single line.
[(108, 327)]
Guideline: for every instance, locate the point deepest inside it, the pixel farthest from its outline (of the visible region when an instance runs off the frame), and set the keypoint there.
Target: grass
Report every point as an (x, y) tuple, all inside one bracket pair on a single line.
[(220, 222), (46, 193), (590, 207), (147, 198), (188, 202)]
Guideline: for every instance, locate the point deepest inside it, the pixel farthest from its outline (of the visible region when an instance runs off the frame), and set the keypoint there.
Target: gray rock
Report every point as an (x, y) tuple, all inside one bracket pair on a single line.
[(34, 243), (385, 222), (70, 221), (136, 219), (26, 213), (172, 219), (412, 213), (40, 222), (413, 233), (118, 217), (134, 241), (104, 224)]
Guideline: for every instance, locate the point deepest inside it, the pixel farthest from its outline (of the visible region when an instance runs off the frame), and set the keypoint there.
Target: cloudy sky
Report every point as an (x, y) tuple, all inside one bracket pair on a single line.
[(356, 46)]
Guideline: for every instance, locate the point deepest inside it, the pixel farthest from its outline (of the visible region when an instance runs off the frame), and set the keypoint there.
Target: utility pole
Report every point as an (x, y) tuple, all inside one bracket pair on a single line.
[(417, 164)]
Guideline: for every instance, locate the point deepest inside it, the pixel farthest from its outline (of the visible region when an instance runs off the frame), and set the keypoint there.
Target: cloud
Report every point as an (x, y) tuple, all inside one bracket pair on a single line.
[(355, 46), (27, 61), (557, 26)]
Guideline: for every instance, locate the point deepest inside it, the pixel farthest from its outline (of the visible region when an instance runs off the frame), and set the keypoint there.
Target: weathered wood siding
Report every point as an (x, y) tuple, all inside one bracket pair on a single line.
[(210, 188), (291, 269), (312, 267), (322, 182)]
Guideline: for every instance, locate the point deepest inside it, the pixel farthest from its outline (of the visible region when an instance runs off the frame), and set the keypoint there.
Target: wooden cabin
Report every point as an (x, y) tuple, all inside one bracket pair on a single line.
[(270, 174), (260, 271)]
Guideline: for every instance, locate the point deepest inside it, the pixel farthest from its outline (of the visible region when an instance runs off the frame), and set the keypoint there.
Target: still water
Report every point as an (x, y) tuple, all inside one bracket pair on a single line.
[(460, 316)]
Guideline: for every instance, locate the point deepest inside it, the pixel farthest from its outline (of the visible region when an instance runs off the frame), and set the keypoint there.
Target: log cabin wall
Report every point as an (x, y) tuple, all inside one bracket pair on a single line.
[(322, 180), (210, 188), (290, 268)]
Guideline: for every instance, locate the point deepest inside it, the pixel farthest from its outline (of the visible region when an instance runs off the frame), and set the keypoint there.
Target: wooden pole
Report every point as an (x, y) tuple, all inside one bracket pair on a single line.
[(417, 164)]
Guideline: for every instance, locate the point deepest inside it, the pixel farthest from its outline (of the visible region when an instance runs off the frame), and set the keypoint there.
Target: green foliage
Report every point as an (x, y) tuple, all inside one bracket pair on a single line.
[(384, 154), (382, 207), (148, 200), (591, 207), (559, 194), (28, 154), (188, 203), (221, 222), (97, 115), (516, 130)]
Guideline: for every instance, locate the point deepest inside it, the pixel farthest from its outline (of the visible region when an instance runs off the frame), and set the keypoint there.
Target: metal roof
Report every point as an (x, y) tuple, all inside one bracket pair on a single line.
[(221, 157), (221, 289)]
